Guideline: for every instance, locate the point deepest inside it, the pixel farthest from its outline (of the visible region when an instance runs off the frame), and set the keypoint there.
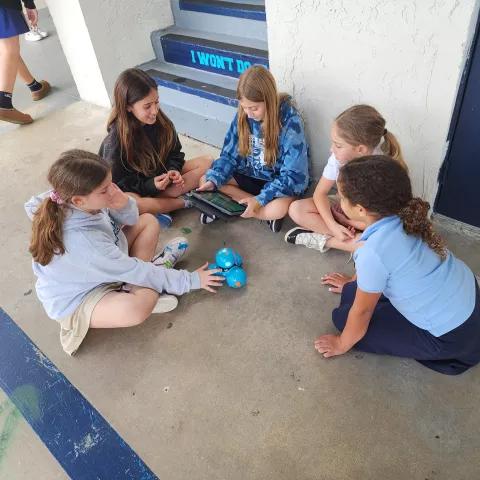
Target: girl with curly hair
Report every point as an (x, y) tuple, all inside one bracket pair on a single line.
[(410, 296)]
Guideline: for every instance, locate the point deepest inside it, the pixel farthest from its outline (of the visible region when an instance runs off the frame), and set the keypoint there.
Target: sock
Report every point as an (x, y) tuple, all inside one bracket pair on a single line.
[(34, 86), (6, 100)]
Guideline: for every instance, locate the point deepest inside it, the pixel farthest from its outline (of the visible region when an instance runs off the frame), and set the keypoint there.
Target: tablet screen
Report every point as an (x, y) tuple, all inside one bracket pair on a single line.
[(221, 201)]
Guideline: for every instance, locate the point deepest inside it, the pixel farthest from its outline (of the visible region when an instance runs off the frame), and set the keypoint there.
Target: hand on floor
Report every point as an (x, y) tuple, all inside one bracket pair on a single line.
[(336, 281), (329, 345)]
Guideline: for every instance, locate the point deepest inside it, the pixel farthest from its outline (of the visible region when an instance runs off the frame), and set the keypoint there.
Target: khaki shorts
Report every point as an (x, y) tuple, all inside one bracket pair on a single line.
[(74, 327)]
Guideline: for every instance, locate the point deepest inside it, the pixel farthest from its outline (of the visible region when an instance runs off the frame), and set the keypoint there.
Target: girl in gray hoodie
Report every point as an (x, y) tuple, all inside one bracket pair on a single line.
[(88, 240)]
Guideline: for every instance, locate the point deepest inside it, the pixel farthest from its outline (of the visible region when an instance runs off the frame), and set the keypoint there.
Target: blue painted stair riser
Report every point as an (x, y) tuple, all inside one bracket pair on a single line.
[(221, 60)]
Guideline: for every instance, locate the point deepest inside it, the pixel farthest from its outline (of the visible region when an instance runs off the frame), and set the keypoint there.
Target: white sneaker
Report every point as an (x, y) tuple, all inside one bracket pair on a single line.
[(173, 251), (33, 36), (165, 303), (42, 33), (307, 238)]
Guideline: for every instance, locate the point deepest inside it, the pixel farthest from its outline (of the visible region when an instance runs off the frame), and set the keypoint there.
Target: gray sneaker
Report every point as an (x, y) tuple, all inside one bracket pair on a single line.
[(165, 303), (307, 238)]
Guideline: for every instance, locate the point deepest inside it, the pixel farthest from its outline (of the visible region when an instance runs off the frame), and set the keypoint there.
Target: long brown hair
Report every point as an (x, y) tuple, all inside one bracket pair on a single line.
[(382, 186), (363, 125), (132, 86), (258, 85), (76, 172)]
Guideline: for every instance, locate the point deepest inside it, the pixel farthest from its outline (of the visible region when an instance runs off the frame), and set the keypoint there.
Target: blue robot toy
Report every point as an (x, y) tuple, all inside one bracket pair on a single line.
[(230, 262)]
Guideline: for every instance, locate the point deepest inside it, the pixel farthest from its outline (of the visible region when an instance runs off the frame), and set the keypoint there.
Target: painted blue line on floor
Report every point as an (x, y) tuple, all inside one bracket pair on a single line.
[(81, 440)]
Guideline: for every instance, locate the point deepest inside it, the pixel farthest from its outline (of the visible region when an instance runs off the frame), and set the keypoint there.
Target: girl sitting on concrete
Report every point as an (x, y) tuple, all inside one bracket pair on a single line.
[(145, 151), (264, 160), (87, 240), (358, 131), (410, 296)]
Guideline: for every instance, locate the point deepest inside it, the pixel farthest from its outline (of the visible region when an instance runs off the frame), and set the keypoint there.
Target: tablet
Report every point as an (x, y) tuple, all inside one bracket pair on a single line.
[(219, 201)]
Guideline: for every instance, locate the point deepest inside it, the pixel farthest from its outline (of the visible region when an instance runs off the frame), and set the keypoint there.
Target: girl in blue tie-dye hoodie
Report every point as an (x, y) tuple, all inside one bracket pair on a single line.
[(264, 160)]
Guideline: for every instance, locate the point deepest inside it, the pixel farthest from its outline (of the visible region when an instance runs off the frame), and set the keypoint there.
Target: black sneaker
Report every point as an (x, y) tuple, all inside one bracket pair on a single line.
[(291, 235), (275, 225), (206, 219)]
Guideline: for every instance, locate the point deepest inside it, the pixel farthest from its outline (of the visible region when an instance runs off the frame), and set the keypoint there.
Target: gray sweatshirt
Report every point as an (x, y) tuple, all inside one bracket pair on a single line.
[(96, 252)]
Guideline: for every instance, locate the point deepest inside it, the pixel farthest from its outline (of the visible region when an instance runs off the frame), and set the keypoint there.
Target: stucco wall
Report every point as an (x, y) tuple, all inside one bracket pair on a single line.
[(79, 52), (100, 38), (120, 32), (405, 57)]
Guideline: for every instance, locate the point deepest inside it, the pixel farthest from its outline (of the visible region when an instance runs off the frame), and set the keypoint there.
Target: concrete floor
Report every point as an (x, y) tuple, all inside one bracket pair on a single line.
[(46, 61), (248, 397)]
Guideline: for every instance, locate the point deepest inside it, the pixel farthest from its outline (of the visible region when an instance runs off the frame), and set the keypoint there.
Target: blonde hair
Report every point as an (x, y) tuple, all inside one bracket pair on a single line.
[(363, 125), (132, 86), (258, 85), (76, 172)]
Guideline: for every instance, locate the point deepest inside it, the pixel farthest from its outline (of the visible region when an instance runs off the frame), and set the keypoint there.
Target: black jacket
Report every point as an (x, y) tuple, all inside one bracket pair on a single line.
[(128, 179), (17, 4)]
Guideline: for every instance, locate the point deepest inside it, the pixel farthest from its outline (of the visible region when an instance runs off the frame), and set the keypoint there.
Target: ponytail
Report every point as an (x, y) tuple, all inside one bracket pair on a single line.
[(363, 125), (391, 148), (76, 172), (416, 222), (47, 232)]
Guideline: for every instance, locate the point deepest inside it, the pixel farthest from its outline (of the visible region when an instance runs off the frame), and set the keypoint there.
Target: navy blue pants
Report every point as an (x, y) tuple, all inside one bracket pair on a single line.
[(390, 333)]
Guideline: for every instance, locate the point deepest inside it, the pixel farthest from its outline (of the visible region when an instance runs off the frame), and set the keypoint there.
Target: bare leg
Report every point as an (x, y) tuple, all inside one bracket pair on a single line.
[(274, 210), (24, 72), (9, 60), (168, 200), (122, 309), (142, 237), (157, 204), (191, 173), (304, 213)]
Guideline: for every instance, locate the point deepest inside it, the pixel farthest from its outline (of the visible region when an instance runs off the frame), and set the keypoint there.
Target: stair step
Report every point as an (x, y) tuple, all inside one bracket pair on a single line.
[(210, 55), (200, 104), (187, 85), (206, 23), (252, 11)]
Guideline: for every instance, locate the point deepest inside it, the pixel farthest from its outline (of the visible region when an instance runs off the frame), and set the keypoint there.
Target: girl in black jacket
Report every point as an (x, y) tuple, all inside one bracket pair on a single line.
[(144, 148)]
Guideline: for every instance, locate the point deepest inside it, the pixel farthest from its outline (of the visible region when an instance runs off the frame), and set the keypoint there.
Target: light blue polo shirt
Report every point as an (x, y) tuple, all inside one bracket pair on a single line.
[(434, 295)]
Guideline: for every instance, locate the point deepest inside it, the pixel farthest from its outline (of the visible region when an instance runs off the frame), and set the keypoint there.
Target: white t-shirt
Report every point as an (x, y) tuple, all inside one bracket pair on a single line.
[(333, 166)]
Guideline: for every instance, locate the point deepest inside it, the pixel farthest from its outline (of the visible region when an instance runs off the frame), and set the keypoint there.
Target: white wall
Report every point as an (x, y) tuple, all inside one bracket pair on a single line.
[(78, 49), (405, 57), (120, 32), (101, 38)]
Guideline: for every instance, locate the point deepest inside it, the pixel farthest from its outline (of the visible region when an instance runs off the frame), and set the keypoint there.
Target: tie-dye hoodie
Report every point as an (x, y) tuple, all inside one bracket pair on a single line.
[(289, 177)]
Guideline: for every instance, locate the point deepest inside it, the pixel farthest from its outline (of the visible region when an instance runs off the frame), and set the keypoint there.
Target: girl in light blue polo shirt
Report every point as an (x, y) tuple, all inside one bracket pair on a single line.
[(410, 296)]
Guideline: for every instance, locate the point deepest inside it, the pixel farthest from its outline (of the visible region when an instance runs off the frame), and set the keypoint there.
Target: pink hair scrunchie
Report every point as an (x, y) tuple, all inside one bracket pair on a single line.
[(55, 197)]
